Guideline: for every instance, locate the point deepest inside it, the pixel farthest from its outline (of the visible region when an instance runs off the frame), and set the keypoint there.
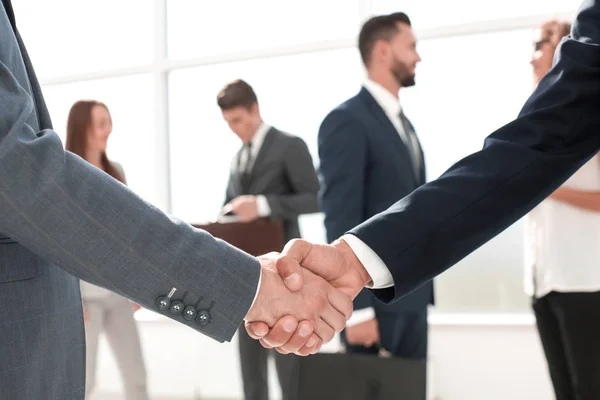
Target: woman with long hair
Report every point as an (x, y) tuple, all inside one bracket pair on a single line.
[(88, 129)]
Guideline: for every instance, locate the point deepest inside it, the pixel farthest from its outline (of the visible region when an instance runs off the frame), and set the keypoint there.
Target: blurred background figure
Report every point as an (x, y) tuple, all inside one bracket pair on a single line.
[(562, 254), (272, 176), (370, 157), (88, 128)]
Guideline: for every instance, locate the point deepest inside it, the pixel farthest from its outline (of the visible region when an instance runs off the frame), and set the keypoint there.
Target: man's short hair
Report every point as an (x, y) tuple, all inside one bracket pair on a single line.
[(381, 27), (236, 94)]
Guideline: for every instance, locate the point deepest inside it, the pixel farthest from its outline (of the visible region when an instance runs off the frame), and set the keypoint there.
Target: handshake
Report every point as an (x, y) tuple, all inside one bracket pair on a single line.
[(305, 296)]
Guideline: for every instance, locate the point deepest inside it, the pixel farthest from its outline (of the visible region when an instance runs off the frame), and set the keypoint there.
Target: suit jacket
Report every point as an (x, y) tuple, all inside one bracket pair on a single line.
[(63, 219), (91, 292), (365, 168), (556, 132), (284, 173)]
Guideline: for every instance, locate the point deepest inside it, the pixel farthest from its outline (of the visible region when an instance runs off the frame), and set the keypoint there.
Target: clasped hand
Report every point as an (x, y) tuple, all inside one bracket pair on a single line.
[(305, 296)]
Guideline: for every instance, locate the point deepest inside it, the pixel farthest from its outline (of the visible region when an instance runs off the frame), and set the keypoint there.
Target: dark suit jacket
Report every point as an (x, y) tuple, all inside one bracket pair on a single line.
[(556, 132), (365, 168), (283, 171)]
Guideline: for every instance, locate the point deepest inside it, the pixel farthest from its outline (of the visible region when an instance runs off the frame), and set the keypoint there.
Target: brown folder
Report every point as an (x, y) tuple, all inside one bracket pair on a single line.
[(256, 238)]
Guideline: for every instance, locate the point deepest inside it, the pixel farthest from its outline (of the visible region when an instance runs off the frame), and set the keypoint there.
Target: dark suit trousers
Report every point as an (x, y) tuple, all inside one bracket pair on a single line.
[(569, 328), (402, 334), (253, 358)]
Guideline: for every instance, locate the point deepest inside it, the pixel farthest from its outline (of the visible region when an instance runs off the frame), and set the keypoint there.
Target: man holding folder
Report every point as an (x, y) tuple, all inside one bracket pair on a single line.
[(271, 176)]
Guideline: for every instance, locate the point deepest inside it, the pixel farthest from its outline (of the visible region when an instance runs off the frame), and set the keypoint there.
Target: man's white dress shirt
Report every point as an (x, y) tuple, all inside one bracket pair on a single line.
[(264, 210)]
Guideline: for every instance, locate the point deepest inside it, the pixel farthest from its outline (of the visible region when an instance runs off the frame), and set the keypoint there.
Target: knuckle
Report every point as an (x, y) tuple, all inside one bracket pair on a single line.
[(280, 262), (292, 244), (320, 303)]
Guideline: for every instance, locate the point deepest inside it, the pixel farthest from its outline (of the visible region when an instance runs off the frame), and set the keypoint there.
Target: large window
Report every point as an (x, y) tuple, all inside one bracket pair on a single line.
[(294, 92), (441, 13), (66, 37), (209, 29)]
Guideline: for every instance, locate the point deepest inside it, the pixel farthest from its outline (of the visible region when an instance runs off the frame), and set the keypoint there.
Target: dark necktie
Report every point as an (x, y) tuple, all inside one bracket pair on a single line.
[(413, 144), (245, 169)]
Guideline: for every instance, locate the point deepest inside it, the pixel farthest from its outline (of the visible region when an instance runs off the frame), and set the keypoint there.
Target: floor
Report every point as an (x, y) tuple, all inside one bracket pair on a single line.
[(108, 396)]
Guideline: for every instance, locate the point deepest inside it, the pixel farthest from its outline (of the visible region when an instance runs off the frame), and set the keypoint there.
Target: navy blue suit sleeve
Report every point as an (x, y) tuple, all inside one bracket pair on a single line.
[(556, 132), (343, 161)]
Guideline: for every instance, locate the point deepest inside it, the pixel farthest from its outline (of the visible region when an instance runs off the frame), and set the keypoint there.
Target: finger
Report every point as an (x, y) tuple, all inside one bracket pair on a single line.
[(281, 332), (272, 257), (335, 319), (281, 351), (257, 330), (324, 331), (315, 346), (288, 265), (299, 339), (268, 260), (316, 350), (312, 346), (341, 302)]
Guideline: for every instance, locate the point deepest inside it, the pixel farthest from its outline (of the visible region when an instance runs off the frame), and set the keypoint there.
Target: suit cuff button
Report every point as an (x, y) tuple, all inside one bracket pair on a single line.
[(176, 307), (189, 313), (163, 303), (203, 318)]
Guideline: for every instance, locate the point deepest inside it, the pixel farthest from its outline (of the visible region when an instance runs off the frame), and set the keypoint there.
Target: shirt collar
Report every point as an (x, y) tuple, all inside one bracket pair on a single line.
[(259, 136), (383, 97)]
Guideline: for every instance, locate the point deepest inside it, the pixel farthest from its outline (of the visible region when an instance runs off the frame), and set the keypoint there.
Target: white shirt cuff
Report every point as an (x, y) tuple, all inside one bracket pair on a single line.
[(263, 206), (380, 275), (360, 316)]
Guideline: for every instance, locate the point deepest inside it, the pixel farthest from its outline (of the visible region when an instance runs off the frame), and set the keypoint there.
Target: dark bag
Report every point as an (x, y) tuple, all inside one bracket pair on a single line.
[(361, 377)]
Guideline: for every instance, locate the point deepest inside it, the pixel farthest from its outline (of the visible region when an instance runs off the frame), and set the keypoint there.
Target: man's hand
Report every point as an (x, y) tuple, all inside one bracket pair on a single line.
[(317, 305), (336, 263), (245, 207), (364, 334)]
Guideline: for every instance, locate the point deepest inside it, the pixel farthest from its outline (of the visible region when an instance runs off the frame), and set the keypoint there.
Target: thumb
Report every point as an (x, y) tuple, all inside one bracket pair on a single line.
[(288, 264), (320, 259)]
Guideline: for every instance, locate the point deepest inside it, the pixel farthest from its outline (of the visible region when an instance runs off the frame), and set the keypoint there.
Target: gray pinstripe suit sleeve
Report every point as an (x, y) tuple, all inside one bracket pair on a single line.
[(87, 223)]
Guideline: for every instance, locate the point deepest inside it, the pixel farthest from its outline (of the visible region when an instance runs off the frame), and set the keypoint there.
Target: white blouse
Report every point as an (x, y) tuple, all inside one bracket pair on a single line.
[(562, 242)]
